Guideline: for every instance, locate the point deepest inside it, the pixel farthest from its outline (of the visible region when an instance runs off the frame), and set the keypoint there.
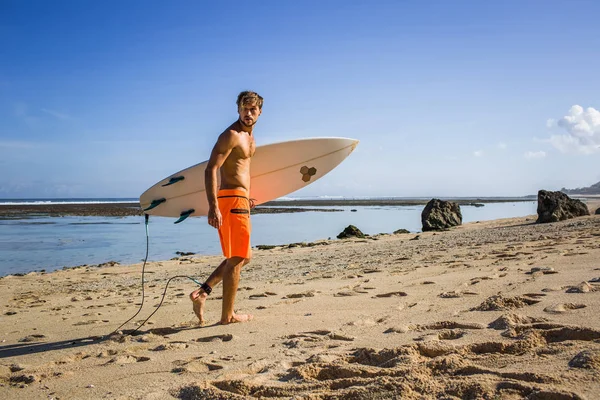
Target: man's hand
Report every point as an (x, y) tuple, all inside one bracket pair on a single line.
[(214, 218)]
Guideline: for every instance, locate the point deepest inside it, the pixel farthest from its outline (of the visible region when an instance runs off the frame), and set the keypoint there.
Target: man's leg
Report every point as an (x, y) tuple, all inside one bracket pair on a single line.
[(231, 280), (199, 296)]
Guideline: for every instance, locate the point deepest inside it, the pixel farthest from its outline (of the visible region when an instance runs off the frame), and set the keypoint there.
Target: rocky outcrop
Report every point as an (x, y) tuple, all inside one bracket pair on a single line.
[(351, 231), (598, 211), (557, 206), (439, 215)]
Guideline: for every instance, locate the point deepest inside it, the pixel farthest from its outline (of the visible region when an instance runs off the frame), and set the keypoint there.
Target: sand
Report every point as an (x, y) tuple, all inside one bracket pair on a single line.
[(504, 309)]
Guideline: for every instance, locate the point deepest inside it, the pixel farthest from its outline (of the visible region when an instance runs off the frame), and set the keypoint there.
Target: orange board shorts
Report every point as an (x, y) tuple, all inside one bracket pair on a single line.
[(234, 232)]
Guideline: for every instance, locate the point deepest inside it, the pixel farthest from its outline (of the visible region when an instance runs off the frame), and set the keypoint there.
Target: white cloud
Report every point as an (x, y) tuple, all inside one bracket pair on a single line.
[(551, 123), (582, 131), (532, 155), (478, 153)]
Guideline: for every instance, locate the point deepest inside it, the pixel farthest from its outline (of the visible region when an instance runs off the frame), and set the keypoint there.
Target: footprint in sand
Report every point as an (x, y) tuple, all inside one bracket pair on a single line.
[(216, 338), (310, 293), (541, 271), (583, 287), (440, 325), (449, 334), (127, 359), (304, 338), (32, 338), (501, 303), (507, 321), (346, 293), (391, 294), (457, 293), (257, 296), (171, 346), (563, 308), (534, 295), (195, 365)]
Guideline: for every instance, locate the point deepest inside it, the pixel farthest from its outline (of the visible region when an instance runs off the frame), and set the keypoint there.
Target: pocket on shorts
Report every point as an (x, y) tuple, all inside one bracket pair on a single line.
[(240, 211)]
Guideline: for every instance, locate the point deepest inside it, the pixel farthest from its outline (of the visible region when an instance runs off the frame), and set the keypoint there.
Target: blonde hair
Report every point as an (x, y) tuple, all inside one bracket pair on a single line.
[(248, 97)]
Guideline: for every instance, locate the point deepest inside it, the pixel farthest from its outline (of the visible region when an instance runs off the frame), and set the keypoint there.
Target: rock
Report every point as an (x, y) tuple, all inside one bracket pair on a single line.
[(544, 270), (475, 204), (351, 231), (108, 264), (399, 231), (440, 215), (557, 206), (598, 211), (184, 253), (265, 247), (583, 287), (586, 359)]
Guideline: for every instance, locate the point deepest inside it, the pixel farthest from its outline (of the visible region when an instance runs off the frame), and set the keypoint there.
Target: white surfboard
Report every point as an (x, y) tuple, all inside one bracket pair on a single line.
[(276, 170)]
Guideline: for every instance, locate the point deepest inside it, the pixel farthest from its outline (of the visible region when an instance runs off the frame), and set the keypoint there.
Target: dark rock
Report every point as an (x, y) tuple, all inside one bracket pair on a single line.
[(351, 231), (598, 211), (475, 204), (440, 215), (557, 206), (265, 247), (586, 359), (399, 231), (184, 253)]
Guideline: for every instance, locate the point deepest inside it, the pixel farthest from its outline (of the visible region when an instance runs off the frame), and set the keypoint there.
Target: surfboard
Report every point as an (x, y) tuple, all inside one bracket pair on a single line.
[(276, 170)]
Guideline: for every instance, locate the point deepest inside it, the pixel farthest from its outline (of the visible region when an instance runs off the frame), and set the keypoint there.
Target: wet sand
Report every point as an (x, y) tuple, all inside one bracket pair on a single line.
[(503, 309)]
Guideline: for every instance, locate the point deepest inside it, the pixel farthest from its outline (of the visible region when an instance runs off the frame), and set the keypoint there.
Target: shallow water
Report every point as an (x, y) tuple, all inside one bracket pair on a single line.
[(51, 243)]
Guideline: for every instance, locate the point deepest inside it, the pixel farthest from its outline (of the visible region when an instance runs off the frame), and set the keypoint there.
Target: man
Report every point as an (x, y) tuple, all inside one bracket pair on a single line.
[(229, 207)]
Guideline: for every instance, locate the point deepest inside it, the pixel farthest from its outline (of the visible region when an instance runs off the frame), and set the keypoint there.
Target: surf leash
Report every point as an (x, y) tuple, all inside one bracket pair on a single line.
[(146, 218)]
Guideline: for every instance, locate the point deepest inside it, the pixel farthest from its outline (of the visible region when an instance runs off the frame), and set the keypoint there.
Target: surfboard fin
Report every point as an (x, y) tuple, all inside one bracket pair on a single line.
[(183, 216), (174, 179), (155, 203)]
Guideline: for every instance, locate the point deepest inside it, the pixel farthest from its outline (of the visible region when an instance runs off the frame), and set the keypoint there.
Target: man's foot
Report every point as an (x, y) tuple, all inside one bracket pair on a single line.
[(237, 318), (198, 298)]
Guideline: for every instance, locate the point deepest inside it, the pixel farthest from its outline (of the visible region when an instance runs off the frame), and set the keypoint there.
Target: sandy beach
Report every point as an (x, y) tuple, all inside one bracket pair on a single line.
[(503, 309)]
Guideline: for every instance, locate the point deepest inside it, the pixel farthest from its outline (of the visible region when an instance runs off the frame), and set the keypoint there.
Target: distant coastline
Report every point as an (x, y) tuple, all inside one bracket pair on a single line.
[(114, 207)]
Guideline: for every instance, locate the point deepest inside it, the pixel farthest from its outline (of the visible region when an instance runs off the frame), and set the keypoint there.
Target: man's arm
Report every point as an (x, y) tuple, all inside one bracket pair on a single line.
[(219, 154)]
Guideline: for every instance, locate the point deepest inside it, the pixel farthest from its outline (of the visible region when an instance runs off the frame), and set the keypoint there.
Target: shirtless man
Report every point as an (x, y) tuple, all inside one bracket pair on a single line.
[(229, 207)]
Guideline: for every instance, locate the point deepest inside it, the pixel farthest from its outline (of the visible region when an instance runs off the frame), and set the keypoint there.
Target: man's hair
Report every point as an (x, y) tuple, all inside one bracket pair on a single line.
[(248, 97)]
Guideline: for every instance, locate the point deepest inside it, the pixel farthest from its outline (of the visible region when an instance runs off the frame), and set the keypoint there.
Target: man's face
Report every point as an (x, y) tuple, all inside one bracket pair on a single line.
[(249, 113)]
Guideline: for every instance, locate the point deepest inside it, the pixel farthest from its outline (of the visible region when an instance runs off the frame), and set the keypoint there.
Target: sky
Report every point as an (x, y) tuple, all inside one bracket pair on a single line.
[(447, 98)]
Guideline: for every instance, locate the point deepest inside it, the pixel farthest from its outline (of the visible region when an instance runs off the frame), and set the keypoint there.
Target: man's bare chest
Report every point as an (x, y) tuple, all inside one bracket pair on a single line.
[(245, 150)]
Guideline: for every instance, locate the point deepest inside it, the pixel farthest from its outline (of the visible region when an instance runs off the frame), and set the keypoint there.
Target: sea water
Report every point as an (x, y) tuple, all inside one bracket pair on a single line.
[(50, 243)]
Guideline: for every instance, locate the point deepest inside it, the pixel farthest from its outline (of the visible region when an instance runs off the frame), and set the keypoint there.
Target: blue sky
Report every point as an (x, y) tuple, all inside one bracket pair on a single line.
[(448, 98)]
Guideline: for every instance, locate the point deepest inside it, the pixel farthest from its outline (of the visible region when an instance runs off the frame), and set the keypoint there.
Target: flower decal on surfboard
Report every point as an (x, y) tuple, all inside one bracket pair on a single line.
[(307, 173)]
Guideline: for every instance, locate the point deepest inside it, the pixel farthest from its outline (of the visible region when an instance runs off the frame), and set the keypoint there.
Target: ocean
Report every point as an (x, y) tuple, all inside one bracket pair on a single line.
[(50, 243)]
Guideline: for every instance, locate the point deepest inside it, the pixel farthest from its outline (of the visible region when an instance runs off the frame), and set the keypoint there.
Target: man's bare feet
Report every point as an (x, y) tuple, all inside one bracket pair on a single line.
[(198, 298), (235, 318)]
